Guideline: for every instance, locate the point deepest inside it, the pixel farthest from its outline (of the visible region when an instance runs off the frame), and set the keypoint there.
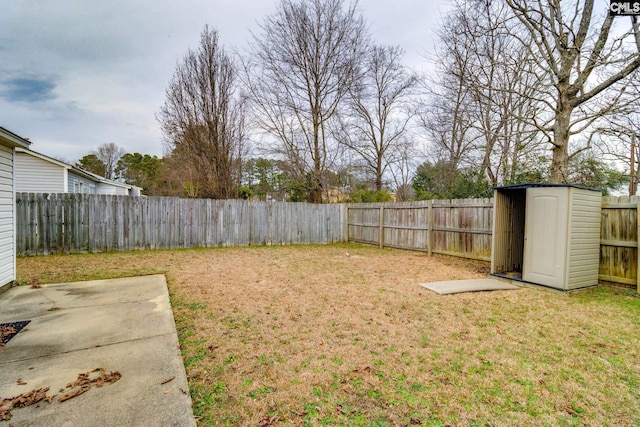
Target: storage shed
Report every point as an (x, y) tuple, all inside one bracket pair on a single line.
[(547, 234)]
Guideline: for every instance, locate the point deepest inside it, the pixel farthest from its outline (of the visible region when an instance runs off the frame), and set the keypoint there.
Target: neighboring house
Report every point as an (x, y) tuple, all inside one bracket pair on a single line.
[(9, 142), (37, 173)]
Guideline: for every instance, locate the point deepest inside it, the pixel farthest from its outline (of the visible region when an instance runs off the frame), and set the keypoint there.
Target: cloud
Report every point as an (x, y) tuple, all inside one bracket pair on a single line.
[(27, 89)]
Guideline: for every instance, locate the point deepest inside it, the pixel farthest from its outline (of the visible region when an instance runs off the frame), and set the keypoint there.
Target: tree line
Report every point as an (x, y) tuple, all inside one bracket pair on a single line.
[(315, 110)]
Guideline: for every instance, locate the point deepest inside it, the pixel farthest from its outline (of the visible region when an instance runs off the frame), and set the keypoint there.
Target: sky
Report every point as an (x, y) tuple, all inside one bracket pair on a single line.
[(75, 74)]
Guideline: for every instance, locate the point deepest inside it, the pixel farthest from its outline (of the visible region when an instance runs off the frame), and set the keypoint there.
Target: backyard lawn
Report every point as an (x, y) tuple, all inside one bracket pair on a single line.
[(343, 335)]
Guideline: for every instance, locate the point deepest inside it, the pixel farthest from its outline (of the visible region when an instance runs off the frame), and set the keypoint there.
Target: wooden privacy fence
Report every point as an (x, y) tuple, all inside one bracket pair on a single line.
[(460, 228), (67, 223), (619, 255)]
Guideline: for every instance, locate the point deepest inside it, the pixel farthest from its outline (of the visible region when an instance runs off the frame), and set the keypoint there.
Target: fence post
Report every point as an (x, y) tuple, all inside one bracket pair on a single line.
[(638, 242), (430, 227), (381, 226), (346, 223)]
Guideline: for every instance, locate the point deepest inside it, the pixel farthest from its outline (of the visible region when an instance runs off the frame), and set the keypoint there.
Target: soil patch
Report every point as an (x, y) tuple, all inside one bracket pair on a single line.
[(10, 330)]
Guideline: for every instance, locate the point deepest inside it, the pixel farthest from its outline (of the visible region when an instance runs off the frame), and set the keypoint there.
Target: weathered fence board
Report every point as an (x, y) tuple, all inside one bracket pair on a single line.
[(619, 240), (68, 223), (452, 227)]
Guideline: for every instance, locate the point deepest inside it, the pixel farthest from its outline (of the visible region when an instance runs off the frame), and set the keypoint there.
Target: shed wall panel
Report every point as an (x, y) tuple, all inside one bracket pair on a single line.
[(500, 238), (584, 238), (508, 232)]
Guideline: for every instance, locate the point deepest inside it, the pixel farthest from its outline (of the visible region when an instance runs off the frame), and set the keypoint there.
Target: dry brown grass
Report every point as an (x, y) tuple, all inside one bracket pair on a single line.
[(342, 335)]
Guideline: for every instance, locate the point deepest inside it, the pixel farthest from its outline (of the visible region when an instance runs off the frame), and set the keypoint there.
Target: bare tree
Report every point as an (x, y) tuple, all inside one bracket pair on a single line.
[(619, 136), (583, 64), (482, 91), (304, 62), (447, 115), (501, 87), (407, 158), (379, 110), (109, 154), (203, 120)]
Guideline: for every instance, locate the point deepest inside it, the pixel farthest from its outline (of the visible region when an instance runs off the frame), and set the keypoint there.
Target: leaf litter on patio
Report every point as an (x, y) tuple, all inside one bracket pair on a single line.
[(98, 377)]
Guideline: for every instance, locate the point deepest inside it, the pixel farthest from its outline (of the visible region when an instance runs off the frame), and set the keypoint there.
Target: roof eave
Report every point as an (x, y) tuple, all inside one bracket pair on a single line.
[(12, 140)]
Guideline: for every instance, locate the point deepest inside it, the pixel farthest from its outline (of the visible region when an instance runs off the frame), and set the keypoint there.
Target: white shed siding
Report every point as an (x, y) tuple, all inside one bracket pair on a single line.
[(34, 175), (584, 238), (7, 237)]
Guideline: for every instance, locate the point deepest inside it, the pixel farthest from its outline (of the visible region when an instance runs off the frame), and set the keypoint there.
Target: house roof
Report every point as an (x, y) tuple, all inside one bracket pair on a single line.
[(98, 178), (12, 140)]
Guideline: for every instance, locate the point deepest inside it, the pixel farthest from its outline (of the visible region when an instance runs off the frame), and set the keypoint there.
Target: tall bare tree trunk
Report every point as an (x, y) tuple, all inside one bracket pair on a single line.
[(561, 126)]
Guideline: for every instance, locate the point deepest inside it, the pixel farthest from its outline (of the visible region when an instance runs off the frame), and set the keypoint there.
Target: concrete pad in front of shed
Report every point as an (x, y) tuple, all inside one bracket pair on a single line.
[(469, 285)]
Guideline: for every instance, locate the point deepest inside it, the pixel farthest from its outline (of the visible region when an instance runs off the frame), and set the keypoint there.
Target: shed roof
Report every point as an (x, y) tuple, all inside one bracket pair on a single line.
[(536, 185)]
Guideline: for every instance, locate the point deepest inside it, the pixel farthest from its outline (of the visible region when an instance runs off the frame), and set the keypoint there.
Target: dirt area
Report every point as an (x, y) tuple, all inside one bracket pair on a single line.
[(343, 335)]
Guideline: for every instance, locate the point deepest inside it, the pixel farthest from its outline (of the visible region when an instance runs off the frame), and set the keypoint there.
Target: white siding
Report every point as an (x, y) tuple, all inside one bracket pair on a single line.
[(104, 188), (122, 191), (7, 238), (78, 184), (34, 175)]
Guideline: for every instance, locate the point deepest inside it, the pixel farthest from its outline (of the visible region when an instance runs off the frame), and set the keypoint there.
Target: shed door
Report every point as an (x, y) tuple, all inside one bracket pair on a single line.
[(546, 236)]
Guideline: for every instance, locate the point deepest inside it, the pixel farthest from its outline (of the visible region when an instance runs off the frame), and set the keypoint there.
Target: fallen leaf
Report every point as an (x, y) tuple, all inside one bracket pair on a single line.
[(21, 381), (267, 421), (166, 380), (84, 382), (75, 393)]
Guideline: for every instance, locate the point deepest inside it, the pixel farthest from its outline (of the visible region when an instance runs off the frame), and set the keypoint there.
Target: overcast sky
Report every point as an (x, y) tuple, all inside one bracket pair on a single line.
[(75, 74)]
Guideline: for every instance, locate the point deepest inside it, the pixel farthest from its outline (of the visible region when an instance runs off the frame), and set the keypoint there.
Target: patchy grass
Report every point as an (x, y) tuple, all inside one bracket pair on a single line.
[(342, 335)]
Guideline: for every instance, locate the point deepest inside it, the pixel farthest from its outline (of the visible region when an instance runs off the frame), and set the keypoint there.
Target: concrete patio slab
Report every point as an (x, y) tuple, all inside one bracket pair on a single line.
[(469, 285), (124, 325)]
